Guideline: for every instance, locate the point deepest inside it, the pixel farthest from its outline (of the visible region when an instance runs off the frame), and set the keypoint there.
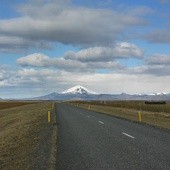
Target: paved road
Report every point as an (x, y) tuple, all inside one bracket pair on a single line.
[(91, 141)]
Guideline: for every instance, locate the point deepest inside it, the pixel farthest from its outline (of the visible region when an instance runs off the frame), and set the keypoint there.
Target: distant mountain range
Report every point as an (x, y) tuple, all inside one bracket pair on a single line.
[(81, 93)]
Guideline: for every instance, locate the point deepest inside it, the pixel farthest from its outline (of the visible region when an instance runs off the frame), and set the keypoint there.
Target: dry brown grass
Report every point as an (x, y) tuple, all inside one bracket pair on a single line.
[(10, 104), (129, 104), (25, 136), (160, 119)]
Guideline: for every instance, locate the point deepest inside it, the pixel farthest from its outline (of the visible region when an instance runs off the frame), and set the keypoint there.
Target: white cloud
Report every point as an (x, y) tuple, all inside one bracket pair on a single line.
[(34, 82), (120, 50), (41, 60), (159, 36), (155, 70), (12, 43), (95, 31), (63, 22), (37, 60), (159, 59), (6, 74), (103, 83), (156, 65), (87, 60), (3, 74)]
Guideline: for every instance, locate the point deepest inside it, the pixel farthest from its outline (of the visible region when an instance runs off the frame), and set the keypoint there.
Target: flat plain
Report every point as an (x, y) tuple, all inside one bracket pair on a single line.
[(10, 104)]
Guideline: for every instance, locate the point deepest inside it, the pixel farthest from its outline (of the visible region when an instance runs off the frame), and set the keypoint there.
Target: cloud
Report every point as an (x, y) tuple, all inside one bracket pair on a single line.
[(43, 23), (33, 77), (6, 73), (3, 74), (46, 81), (17, 44), (37, 60), (93, 54), (41, 60), (87, 60), (159, 59), (159, 36), (42, 78), (156, 70), (164, 1), (157, 65)]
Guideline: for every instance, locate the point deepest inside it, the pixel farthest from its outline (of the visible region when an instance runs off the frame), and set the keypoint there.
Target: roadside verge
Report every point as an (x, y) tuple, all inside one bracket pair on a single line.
[(157, 119), (28, 141)]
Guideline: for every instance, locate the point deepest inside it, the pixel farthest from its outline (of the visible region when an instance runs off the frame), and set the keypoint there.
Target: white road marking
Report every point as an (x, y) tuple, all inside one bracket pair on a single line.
[(88, 116), (81, 113), (128, 135), (101, 122)]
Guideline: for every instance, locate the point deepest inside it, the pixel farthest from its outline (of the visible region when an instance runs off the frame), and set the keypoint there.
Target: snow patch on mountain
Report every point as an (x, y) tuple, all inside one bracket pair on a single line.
[(78, 90), (158, 94)]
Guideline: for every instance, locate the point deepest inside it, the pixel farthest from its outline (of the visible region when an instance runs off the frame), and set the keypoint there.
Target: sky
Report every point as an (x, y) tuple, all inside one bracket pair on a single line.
[(108, 46)]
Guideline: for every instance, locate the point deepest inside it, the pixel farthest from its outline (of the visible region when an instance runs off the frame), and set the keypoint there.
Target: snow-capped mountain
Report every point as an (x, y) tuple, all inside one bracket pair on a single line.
[(78, 90), (81, 93), (75, 93)]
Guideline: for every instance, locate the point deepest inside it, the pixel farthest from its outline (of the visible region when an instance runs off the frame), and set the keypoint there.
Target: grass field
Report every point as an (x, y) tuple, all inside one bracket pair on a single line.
[(10, 104), (158, 115), (26, 137), (137, 105)]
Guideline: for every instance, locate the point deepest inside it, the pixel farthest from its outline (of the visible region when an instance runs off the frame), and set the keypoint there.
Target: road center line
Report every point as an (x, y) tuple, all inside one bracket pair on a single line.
[(101, 122), (128, 135), (88, 116)]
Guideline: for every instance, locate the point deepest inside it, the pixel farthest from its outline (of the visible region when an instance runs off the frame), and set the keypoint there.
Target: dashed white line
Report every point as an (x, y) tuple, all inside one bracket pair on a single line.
[(128, 135), (101, 122), (88, 116), (81, 113)]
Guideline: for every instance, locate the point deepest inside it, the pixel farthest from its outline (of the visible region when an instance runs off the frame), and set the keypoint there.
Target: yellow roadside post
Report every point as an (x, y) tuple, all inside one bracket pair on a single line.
[(49, 116), (53, 106), (140, 117), (89, 106)]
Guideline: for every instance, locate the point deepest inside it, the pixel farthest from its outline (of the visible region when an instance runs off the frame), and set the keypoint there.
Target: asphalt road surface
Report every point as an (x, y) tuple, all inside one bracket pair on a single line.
[(91, 141)]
